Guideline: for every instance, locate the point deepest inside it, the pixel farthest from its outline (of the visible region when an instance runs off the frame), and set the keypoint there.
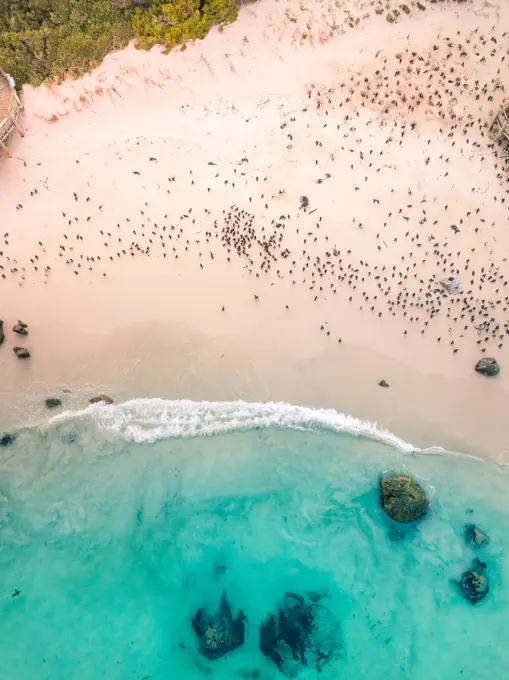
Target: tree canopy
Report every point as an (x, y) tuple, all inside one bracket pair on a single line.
[(50, 39)]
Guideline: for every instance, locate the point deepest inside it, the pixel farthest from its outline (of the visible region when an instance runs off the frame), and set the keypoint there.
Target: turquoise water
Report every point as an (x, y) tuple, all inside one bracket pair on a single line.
[(115, 534)]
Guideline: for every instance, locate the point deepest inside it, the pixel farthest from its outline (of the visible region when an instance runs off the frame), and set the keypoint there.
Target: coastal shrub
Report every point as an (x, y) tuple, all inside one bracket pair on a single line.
[(50, 39)]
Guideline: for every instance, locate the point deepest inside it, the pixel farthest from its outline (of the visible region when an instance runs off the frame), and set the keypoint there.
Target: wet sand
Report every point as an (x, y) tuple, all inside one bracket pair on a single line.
[(163, 188)]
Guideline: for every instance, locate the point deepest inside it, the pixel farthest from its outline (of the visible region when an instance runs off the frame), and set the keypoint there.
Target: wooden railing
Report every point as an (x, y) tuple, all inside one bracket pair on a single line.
[(14, 109)]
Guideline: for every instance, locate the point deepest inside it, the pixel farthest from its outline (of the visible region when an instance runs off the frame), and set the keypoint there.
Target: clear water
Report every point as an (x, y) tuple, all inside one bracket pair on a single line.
[(114, 543)]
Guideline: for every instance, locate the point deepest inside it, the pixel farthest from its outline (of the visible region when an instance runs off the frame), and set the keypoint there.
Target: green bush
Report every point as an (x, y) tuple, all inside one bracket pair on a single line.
[(50, 39)]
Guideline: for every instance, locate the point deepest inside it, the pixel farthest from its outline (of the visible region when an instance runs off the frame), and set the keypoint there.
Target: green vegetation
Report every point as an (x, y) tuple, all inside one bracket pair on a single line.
[(50, 39)]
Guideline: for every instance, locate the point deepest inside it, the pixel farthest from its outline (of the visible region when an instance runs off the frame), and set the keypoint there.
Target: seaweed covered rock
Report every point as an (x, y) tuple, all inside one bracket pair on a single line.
[(402, 498), (474, 584), (302, 633), (101, 399), (474, 536), (2, 334), (487, 366), (7, 439), (219, 633), (52, 402)]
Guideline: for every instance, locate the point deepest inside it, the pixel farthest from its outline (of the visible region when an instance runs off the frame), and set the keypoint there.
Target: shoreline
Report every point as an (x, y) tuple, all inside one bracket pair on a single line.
[(233, 117), (217, 371)]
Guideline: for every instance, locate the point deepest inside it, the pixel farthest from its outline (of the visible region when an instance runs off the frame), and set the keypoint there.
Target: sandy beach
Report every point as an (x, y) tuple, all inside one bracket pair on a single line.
[(267, 215)]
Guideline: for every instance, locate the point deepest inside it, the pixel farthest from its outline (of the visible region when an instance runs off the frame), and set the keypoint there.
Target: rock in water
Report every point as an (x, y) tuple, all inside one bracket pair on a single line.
[(474, 536), (69, 438), (402, 498), (487, 366), (21, 352), (20, 330), (101, 398), (383, 383), (52, 402), (219, 633), (302, 633), (474, 585), (2, 334), (7, 439)]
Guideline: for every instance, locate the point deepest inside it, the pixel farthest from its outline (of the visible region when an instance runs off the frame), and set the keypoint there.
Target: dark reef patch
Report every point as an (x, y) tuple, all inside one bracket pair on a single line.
[(302, 633), (219, 633)]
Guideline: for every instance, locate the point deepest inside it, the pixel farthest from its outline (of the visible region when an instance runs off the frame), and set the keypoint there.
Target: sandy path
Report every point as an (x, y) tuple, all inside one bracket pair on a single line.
[(256, 117)]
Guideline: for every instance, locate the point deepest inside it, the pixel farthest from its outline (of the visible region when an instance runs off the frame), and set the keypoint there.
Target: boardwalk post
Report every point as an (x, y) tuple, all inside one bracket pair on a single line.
[(6, 149), (18, 129)]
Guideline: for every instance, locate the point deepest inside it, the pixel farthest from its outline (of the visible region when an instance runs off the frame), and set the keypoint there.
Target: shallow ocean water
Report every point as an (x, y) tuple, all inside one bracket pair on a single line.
[(115, 530)]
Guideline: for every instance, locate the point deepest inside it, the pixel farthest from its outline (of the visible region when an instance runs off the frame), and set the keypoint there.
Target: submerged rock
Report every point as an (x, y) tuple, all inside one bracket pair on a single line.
[(474, 585), (383, 383), (21, 352), (397, 533), (2, 334), (402, 498), (69, 438), (219, 633), (101, 398), (302, 633), (487, 366), (474, 536), (52, 402), (7, 439), (20, 330)]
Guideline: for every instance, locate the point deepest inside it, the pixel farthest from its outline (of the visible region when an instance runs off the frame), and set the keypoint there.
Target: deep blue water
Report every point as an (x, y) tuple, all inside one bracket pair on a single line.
[(114, 544)]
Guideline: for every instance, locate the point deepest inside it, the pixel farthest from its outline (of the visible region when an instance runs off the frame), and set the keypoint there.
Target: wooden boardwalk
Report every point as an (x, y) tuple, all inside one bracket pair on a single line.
[(10, 109)]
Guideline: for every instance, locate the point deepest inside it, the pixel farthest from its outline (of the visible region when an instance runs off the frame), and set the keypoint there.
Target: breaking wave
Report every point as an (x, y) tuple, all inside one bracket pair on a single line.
[(150, 420)]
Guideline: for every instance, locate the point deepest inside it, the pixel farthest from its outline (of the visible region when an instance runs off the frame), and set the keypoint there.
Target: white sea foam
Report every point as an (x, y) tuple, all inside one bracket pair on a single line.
[(149, 420)]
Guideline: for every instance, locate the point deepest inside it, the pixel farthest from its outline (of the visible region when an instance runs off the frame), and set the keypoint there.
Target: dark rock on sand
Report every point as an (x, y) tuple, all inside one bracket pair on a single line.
[(383, 383), (402, 498), (20, 330), (7, 439), (101, 398), (22, 324), (474, 584), (2, 334), (52, 402), (21, 352), (487, 366), (302, 633), (219, 633), (474, 536)]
